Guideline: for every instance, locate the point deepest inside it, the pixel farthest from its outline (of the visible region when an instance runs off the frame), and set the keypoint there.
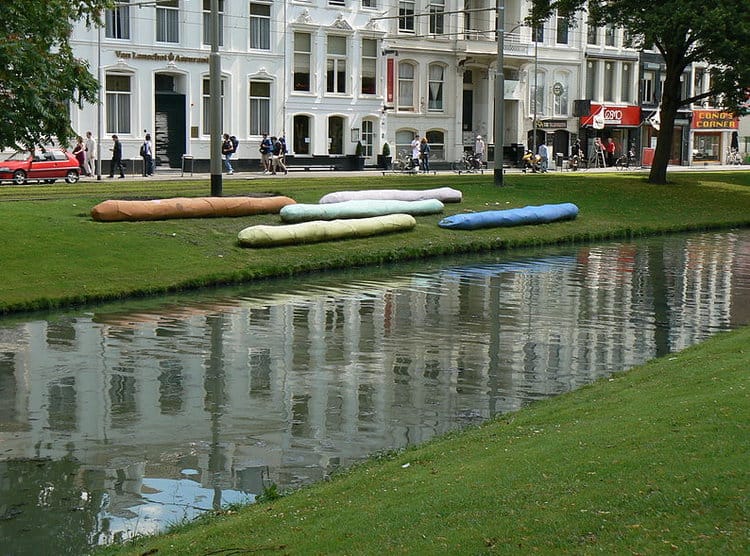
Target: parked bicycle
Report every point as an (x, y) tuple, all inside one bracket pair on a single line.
[(733, 156), (403, 163), (625, 161), (469, 164)]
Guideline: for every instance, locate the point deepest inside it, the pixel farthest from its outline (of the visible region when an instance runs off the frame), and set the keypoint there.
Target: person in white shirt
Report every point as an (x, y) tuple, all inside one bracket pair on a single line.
[(90, 146), (544, 157), (415, 151), (479, 148)]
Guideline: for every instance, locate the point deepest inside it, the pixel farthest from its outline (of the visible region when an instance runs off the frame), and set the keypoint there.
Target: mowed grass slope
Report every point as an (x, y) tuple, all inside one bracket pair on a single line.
[(54, 254), (652, 461)]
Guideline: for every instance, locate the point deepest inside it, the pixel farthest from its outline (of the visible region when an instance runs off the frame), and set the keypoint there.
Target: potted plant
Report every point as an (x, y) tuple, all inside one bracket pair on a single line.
[(359, 156), (384, 160)]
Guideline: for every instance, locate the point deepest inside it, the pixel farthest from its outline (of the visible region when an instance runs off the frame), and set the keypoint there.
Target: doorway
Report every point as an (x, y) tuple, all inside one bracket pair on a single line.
[(170, 124)]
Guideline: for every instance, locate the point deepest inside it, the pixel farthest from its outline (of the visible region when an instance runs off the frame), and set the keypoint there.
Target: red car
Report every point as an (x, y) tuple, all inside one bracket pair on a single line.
[(44, 166)]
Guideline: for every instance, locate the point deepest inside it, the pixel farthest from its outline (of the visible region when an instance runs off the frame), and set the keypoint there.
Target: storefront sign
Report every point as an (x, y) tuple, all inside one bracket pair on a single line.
[(614, 115), (710, 120), (170, 57), (552, 124)]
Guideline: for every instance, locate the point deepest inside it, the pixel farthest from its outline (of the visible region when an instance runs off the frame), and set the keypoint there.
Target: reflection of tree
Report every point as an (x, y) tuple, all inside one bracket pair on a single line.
[(47, 497)]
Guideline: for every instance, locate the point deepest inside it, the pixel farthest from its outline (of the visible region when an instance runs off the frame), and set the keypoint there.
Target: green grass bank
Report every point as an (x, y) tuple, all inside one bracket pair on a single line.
[(55, 255), (651, 461)]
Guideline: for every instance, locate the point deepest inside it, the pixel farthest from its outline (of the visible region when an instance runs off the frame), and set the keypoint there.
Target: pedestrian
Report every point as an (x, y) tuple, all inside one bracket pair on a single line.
[(611, 148), (424, 155), (116, 162), (266, 150), (282, 140), (90, 154), (479, 148), (543, 153), (415, 149), (147, 153), (79, 151), (277, 154), (227, 149)]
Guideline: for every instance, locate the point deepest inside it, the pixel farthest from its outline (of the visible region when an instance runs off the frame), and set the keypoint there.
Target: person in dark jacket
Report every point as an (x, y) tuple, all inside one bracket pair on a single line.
[(116, 163)]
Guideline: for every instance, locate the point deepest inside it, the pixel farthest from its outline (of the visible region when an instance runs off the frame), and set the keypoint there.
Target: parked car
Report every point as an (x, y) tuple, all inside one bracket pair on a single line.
[(46, 166)]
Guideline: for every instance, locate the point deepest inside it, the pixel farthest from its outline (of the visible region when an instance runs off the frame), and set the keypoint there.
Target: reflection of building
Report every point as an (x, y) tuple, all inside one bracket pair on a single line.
[(295, 385)]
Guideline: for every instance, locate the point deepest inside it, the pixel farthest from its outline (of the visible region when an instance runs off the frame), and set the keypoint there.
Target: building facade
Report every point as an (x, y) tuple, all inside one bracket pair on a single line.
[(328, 74)]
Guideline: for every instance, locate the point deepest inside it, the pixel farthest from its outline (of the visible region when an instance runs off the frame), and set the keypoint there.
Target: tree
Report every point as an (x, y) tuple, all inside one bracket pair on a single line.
[(39, 75), (684, 32)]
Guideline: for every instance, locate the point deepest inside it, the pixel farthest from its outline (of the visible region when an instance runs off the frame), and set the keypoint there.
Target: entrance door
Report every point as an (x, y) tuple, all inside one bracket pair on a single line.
[(170, 138)]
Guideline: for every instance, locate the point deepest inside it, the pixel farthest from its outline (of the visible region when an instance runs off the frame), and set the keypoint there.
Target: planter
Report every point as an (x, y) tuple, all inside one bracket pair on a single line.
[(355, 162), (384, 162)]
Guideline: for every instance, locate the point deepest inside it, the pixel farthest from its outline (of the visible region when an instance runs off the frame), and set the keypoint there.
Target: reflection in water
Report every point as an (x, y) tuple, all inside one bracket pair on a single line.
[(125, 421)]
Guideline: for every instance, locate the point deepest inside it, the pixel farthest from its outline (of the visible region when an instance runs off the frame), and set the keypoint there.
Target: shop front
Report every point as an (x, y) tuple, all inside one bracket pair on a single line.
[(619, 123), (711, 135)]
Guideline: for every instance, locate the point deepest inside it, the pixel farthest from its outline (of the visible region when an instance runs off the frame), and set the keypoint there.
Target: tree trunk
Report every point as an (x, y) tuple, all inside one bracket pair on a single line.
[(670, 99)]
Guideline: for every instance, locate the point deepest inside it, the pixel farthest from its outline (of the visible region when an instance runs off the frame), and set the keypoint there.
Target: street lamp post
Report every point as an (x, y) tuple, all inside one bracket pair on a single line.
[(536, 85), (214, 68), (499, 95)]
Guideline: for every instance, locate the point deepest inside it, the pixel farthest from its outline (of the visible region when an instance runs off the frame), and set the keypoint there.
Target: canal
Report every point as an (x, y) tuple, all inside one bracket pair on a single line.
[(120, 419)]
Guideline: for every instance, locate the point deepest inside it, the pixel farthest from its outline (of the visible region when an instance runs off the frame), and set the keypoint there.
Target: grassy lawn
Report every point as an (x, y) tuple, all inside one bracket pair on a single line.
[(652, 461), (54, 254)]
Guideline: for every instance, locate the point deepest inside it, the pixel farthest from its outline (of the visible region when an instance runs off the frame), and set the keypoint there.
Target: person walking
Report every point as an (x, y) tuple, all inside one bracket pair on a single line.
[(227, 149), (266, 151), (415, 150), (479, 148), (90, 146), (277, 157), (116, 162), (424, 155), (79, 151), (147, 153)]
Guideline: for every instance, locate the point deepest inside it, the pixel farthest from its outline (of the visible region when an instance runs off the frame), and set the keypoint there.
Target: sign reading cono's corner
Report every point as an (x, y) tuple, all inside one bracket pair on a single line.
[(171, 57)]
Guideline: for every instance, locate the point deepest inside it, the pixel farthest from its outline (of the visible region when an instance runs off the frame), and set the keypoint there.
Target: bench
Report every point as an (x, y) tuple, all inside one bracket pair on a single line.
[(309, 167)]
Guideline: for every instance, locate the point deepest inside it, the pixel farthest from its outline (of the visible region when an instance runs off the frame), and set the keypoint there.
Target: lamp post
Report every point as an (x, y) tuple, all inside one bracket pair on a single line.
[(536, 85), (499, 95), (214, 68)]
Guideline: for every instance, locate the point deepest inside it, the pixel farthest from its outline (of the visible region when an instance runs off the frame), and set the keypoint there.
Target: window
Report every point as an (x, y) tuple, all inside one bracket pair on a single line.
[(626, 83), (260, 107), (538, 94), (592, 33), (406, 16), (437, 17), (436, 139), (405, 87), (538, 34), (369, 66), (404, 137), (118, 103), (117, 22), (207, 22), (168, 21), (302, 54), (336, 64), (609, 35), (207, 105), (560, 91), (435, 88), (563, 28), (335, 2), (369, 3), (609, 81), (648, 87), (260, 26), (592, 76)]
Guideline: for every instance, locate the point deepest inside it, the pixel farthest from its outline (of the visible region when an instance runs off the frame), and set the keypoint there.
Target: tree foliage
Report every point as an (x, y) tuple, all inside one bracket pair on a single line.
[(684, 32), (40, 77)]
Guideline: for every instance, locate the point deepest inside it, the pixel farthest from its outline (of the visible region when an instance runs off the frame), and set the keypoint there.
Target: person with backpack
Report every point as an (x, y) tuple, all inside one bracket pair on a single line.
[(147, 153), (266, 150), (277, 156), (227, 150)]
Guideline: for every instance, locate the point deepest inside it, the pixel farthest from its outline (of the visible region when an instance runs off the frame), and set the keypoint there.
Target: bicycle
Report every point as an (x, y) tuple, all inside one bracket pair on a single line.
[(403, 163), (733, 156), (625, 161), (469, 164)]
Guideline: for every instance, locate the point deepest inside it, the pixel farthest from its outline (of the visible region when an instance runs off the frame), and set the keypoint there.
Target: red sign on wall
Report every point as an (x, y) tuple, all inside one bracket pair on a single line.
[(614, 115), (714, 119), (389, 80)]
